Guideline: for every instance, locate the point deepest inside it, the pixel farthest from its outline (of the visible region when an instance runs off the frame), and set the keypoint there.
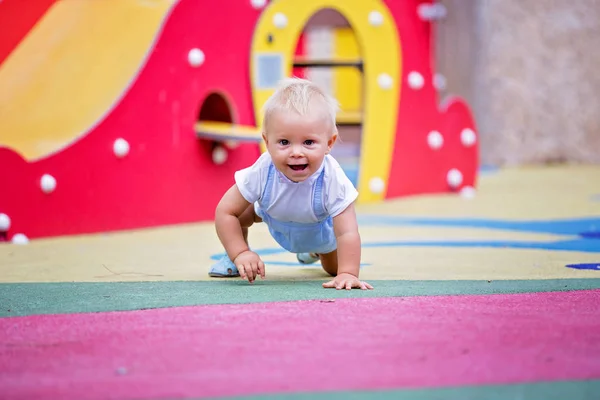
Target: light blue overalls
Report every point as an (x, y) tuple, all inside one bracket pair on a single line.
[(300, 237), (295, 237)]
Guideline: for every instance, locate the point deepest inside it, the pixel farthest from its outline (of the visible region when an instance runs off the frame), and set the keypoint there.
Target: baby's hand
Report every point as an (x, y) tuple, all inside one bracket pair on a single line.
[(347, 281), (249, 265)]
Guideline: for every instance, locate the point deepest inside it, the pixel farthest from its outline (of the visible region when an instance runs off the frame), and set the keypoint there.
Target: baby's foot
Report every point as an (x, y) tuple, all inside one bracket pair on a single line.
[(223, 268), (307, 258)]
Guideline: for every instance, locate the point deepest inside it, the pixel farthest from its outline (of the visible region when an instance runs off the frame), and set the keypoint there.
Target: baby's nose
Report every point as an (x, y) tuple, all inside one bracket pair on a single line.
[(297, 150)]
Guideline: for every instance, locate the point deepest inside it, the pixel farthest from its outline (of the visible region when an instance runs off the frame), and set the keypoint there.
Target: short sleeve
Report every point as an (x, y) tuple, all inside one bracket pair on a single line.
[(340, 192), (250, 181)]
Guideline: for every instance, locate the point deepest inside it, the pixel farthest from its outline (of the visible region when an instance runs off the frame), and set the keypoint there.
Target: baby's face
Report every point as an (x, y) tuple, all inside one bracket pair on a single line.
[(298, 144)]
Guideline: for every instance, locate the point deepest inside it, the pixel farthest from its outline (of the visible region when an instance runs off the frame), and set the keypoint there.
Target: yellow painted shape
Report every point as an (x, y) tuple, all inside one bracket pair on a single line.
[(347, 81), (227, 131), (71, 70), (381, 53)]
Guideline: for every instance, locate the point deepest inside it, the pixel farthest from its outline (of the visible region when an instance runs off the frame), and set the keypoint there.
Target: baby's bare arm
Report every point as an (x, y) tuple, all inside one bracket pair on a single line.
[(227, 222), (345, 227)]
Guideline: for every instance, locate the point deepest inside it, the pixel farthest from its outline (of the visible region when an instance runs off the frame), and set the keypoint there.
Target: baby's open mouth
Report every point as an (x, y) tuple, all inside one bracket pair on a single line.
[(298, 167)]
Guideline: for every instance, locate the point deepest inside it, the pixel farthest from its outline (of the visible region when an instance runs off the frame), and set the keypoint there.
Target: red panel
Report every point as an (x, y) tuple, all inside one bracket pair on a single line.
[(417, 168), (300, 72), (16, 19), (168, 176)]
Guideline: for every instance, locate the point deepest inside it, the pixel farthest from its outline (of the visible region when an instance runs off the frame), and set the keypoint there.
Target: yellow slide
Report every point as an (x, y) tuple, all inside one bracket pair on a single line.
[(72, 68)]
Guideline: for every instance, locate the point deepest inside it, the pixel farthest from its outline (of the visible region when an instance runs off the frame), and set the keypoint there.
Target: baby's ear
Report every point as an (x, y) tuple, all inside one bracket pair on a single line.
[(264, 136), (331, 141)]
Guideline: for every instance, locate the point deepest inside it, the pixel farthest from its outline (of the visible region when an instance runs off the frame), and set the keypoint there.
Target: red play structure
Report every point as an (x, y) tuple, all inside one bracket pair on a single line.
[(141, 163)]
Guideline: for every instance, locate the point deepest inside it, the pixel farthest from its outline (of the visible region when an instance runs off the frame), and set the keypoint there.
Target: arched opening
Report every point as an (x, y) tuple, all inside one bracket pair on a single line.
[(215, 111), (273, 57), (328, 54)]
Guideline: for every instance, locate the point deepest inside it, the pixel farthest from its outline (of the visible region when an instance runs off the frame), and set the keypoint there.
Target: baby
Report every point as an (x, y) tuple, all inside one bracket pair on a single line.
[(297, 188)]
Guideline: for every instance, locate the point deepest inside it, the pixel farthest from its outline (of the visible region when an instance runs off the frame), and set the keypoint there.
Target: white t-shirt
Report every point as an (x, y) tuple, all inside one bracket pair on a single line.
[(292, 201)]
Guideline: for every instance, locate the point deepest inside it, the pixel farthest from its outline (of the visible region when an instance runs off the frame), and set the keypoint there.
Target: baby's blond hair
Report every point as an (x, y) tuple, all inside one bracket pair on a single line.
[(299, 95)]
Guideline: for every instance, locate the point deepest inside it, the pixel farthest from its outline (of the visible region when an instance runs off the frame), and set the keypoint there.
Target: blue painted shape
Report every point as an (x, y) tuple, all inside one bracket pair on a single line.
[(296, 264), (263, 252), (558, 227), (267, 252), (584, 266), (580, 245), (590, 235), (585, 233)]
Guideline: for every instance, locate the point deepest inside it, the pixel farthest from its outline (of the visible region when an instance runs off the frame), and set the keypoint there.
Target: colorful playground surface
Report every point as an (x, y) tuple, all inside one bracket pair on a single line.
[(489, 296), (121, 126)]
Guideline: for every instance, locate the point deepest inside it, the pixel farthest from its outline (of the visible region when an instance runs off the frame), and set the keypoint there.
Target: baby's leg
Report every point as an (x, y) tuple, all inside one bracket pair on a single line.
[(329, 262), (247, 219)]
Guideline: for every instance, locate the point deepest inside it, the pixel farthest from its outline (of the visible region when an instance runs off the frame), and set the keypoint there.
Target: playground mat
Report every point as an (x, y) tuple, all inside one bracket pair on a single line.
[(490, 297)]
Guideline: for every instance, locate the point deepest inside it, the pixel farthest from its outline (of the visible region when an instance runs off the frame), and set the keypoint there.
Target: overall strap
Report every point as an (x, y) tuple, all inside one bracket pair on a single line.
[(318, 203), (266, 196)]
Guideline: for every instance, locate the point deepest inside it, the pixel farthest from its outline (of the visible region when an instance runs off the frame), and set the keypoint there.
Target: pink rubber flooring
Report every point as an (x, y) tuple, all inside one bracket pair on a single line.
[(302, 346)]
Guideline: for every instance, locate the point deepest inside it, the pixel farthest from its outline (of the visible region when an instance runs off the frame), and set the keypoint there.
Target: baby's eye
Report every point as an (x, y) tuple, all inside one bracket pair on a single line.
[(284, 142), (309, 142)]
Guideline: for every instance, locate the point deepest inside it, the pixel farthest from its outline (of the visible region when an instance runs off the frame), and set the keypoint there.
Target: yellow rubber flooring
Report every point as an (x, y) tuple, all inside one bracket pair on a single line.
[(522, 224)]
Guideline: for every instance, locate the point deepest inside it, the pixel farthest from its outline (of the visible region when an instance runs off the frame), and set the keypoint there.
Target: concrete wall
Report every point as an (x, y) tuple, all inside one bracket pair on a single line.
[(531, 71)]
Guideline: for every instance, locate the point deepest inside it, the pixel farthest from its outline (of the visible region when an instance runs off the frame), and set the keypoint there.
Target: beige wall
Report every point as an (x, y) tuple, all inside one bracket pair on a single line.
[(531, 71)]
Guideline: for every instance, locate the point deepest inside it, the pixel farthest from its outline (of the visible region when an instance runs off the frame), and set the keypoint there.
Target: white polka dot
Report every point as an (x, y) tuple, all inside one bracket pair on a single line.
[(258, 3), (4, 222), (454, 178), (376, 185), (20, 238), (435, 140), (468, 137), (439, 81), (219, 155), (280, 20), (467, 192), (415, 80), (385, 81), (48, 183), (120, 148), (375, 18), (428, 12), (440, 10), (425, 11), (196, 57)]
